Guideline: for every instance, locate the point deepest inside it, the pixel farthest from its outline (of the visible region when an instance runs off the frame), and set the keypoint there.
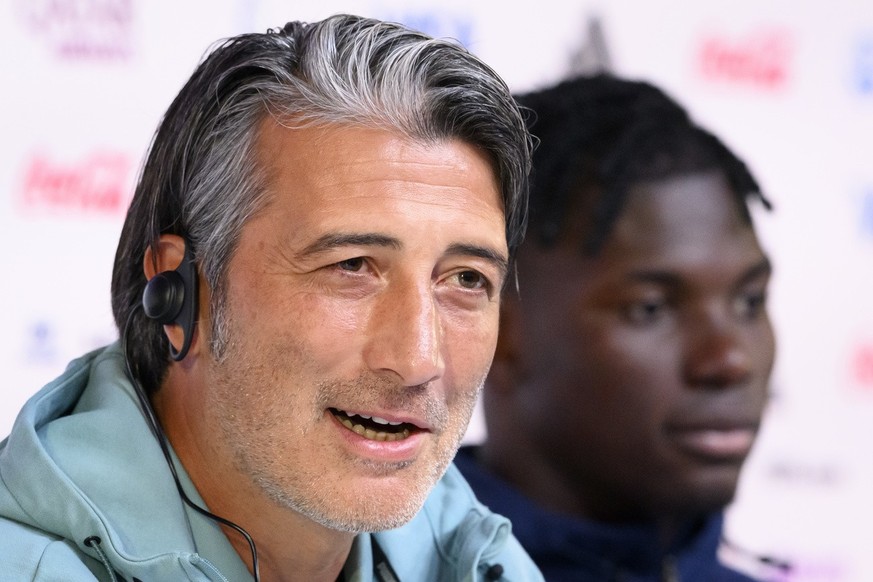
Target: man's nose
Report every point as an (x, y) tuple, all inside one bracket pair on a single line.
[(717, 353), (405, 336)]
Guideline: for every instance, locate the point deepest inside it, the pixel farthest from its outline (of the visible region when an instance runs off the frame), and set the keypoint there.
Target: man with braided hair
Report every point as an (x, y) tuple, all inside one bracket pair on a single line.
[(632, 367)]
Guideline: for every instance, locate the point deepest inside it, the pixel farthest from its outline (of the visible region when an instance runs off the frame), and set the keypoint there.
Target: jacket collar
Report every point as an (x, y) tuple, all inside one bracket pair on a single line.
[(90, 446), (599, 548)]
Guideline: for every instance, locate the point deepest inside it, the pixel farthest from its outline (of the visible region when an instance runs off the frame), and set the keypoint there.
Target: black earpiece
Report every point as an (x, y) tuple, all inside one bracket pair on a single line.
[(170, 297)]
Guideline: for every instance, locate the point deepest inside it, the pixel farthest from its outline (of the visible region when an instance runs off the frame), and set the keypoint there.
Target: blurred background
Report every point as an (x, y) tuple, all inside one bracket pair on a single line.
[(788, 85)]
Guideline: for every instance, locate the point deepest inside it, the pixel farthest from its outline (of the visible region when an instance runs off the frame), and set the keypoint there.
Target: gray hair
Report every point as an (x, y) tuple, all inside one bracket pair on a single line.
[(201, 181)]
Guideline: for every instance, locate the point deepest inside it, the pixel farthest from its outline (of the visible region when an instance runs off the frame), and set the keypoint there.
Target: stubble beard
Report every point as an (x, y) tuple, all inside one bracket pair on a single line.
[(375, 508), (249, 421)]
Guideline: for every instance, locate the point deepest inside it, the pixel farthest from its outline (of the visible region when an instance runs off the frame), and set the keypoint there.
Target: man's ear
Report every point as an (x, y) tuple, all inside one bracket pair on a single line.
[(167, 255)]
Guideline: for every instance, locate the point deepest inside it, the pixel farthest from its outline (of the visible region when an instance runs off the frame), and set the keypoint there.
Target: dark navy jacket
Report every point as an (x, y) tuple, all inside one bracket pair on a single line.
[(570, 549)]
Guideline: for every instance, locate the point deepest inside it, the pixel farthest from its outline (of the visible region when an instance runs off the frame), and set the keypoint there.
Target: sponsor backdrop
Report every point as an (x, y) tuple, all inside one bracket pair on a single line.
[(789, 85)]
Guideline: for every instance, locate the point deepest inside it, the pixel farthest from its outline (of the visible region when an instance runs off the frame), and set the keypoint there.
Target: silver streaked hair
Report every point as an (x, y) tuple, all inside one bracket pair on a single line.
[(200, 179)]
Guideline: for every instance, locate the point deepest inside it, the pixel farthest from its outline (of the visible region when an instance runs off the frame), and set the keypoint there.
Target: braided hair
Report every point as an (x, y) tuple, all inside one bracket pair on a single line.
[(604, 133)]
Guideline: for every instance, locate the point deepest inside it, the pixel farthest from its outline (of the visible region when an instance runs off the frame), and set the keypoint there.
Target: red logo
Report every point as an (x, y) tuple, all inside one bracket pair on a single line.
[(98, 184), (82, 29), (862, 365), (759, 59)]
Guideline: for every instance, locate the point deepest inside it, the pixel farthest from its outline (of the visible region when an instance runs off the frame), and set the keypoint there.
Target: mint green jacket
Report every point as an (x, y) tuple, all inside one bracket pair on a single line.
[(81, 464)]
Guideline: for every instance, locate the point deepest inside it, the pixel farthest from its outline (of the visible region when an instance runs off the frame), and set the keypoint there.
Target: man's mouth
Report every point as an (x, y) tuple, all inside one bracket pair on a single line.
[(724, 442), (374, 427)]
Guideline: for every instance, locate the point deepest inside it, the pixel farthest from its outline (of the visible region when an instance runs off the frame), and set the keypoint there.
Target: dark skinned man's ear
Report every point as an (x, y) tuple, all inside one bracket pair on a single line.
[(506, 366)]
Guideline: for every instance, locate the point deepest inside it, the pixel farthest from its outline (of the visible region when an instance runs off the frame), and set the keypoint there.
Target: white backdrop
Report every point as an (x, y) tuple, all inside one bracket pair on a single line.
[(789, 85)]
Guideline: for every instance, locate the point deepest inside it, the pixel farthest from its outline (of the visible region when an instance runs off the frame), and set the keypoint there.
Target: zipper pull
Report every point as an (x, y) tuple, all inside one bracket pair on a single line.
[(669, 570)]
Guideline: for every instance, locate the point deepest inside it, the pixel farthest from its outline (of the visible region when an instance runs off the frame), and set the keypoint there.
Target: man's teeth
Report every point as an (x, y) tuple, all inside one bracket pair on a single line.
[(348, 421), (379, 420)]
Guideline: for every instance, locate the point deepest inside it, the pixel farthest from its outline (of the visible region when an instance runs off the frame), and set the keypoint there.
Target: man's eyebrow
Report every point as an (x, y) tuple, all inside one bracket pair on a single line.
[(654, 276), (760, 269), (763, 268), (493, 256), (332, 241)]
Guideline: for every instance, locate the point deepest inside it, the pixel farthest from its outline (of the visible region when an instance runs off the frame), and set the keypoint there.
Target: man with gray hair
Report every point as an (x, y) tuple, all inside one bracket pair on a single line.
[(306, 289)]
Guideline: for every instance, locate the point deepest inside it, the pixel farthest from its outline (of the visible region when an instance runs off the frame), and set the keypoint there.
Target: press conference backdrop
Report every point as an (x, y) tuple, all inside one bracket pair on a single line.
[(789, 85)]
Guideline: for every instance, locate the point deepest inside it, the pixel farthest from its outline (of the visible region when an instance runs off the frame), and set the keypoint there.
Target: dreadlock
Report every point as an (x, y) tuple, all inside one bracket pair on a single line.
[(608, 133)]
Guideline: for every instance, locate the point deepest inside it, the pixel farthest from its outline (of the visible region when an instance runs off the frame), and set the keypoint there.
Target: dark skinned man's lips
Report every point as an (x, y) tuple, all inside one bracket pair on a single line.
[(716, 440)]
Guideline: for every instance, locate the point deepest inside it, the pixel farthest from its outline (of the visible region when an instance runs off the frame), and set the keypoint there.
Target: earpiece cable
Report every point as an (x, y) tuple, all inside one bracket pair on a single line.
[(161, 437)]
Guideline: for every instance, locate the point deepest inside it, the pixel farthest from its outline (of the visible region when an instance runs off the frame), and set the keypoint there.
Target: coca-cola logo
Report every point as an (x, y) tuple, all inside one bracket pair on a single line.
[(760, 59), (99, 183), (81, 29)]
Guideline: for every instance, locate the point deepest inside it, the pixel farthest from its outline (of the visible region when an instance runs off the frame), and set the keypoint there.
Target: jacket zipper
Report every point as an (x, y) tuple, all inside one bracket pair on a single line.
[(669, 571)]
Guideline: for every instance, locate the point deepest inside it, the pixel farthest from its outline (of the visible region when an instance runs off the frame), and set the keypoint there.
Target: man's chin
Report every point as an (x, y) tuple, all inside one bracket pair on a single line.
[(373, 520), (703, 500), (370, 505)]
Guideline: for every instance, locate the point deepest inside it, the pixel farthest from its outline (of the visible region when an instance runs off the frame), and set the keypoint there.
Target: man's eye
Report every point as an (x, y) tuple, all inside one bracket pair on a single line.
[(645, 312), (354, 265), (750, 305), (472, 280)]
